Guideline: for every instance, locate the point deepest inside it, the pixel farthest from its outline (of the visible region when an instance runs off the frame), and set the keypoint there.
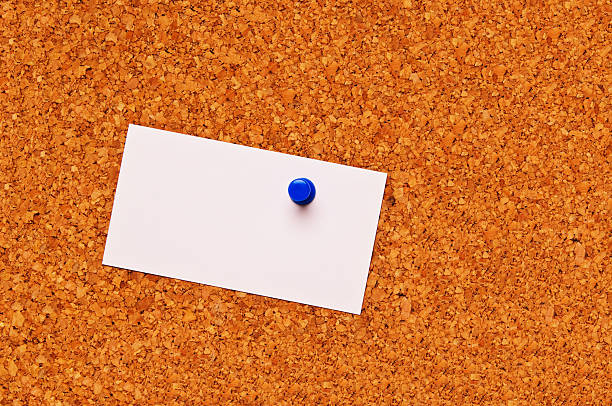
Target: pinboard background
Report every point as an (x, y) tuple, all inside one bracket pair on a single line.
[(490, 280)]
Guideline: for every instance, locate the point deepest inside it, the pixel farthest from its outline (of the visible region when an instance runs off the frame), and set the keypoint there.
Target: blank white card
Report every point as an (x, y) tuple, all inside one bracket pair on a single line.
[(218, 213)]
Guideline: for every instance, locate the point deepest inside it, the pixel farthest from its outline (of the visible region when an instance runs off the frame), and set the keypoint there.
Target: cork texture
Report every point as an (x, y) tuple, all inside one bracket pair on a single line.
[(491, 276)]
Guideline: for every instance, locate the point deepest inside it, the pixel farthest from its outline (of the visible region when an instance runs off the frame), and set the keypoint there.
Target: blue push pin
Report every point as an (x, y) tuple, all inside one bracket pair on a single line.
[(302, 191)]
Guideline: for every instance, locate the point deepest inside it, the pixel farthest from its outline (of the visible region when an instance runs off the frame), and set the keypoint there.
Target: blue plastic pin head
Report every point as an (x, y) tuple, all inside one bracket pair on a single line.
[(302, 191)]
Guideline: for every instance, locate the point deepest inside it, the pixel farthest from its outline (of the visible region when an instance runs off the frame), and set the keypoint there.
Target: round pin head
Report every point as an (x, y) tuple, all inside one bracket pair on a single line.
[(302, 191)]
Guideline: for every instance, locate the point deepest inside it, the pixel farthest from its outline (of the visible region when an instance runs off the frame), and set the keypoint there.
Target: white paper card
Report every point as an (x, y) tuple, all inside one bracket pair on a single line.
[(218, 213)]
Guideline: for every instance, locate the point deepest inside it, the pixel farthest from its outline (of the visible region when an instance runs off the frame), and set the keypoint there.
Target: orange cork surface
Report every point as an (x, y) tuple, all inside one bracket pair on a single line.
[(491, 276)]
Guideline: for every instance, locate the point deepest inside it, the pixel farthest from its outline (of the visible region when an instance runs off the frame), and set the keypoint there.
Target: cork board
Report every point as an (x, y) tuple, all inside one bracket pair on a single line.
[(491, 276)]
